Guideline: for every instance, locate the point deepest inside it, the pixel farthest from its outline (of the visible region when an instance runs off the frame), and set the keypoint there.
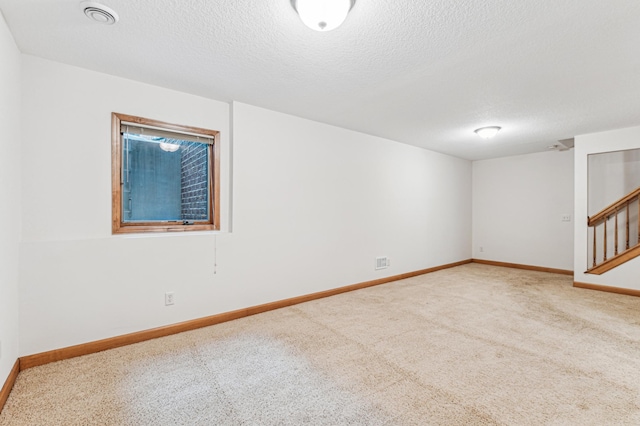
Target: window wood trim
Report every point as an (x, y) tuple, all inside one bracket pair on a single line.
[(117, 226)]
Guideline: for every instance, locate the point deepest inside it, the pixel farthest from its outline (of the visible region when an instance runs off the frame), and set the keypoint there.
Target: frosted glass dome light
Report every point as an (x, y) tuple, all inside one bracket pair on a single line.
[(323, 15), (487, 132)]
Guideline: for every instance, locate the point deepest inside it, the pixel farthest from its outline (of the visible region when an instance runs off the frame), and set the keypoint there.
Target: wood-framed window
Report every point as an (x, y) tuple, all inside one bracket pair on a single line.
[(165, 177)]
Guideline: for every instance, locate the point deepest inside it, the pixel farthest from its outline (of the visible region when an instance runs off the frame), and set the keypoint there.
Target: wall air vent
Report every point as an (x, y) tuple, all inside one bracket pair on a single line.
[(99, 12), (382, 262), (562, 145)]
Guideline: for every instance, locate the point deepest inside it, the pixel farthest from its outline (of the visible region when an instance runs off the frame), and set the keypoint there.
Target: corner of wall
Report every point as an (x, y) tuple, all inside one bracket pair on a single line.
[(10, 194)]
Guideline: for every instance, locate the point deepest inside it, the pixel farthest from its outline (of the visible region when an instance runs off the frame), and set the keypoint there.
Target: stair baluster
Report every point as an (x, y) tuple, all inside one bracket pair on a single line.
[(627, 246), (615, 243), (606, 219), (594, 247)]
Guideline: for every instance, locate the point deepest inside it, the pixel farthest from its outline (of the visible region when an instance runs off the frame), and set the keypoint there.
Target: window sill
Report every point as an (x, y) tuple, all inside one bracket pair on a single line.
[(142, 235), (142, 229)]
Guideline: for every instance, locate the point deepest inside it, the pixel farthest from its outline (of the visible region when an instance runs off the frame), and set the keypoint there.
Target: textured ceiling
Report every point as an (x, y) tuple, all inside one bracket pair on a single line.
[(426, 73)]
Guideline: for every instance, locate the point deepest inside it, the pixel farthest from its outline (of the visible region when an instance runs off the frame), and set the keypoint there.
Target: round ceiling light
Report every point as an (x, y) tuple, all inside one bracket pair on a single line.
[(323, 15), (487, 132), (99, 12)]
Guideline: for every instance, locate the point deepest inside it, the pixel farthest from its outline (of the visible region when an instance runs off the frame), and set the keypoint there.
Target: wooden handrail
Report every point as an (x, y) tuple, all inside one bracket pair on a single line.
[(609, 210)]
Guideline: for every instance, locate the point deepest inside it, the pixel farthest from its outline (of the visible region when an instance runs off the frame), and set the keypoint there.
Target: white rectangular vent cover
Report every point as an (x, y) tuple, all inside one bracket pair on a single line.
[(382, 262)]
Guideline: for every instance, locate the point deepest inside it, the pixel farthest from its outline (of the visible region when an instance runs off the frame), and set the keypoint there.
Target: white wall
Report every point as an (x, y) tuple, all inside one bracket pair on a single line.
[(78, 282), (626, 275), (518, 203), (10, 198), (612, 175), (313, 206)]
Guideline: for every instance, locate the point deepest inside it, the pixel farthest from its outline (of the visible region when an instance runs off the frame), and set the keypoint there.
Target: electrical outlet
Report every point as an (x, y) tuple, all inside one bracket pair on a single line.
[(566, 218), (169, 298), (481, 249)]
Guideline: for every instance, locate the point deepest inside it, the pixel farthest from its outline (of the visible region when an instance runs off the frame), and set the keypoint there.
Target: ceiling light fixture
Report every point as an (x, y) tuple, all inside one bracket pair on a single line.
[(487, 132), (323, 15), (99, 12)]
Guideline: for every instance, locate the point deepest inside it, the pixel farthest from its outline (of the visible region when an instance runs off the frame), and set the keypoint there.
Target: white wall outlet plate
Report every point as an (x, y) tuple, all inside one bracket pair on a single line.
[(169, 298)]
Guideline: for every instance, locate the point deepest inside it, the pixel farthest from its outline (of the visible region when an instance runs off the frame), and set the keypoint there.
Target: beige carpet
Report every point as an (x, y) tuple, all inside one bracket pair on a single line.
[(470, 345)]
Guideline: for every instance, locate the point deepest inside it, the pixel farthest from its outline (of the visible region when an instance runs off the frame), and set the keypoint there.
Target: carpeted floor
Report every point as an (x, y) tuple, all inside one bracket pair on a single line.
[(471, 345)]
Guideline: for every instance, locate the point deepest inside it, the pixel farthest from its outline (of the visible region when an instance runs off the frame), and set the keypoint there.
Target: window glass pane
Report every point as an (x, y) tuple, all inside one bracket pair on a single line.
[(164, 179)]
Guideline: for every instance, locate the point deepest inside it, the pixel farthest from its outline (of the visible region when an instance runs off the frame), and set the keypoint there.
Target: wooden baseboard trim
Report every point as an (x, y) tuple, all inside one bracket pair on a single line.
[(8, 384), (140, 336), (527, 267), (608, 289)]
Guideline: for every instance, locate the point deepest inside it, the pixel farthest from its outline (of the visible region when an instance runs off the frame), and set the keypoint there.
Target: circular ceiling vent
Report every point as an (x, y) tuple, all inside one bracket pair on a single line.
[(99, 12)]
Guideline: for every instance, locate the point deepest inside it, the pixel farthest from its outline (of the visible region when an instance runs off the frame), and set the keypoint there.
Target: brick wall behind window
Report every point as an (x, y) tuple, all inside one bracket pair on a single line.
[(194, 181)]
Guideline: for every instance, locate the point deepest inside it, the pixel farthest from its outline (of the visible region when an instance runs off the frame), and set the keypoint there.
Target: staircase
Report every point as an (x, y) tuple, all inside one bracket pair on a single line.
[(615, 234)]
